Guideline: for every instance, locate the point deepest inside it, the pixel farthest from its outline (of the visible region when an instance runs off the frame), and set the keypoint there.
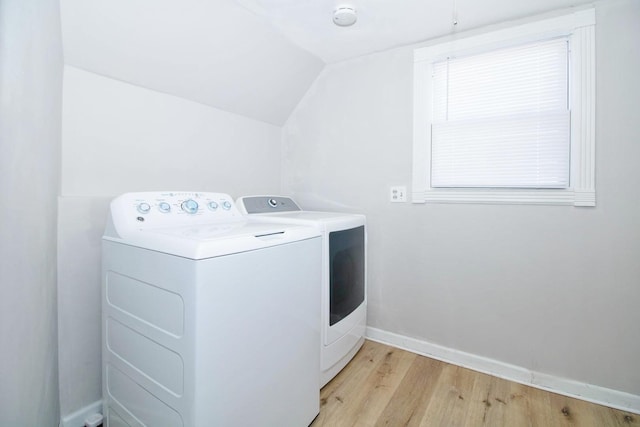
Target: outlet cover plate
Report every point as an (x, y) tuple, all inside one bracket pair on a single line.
[(398, 194)]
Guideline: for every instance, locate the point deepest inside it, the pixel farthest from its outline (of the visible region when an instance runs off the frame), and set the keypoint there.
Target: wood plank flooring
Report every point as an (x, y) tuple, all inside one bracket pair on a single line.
[(385, 386)]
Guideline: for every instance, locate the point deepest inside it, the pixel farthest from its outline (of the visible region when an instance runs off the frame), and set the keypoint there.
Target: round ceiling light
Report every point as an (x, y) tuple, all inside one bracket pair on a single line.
[(344, 16)]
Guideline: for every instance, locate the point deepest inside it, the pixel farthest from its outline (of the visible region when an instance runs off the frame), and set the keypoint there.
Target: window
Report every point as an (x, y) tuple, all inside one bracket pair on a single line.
[(508, 116), (501, 119)]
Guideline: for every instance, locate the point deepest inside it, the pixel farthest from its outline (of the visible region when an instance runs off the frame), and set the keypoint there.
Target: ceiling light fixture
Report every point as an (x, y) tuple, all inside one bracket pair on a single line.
[(344, 16)]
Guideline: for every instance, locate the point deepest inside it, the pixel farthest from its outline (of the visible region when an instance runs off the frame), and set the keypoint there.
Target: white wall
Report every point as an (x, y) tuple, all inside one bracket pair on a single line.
[(119, 138), (547, 288), (30, 104)]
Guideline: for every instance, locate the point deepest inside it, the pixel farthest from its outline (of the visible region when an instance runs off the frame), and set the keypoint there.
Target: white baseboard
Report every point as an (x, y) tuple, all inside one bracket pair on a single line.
[(77, 418), (567, 387)]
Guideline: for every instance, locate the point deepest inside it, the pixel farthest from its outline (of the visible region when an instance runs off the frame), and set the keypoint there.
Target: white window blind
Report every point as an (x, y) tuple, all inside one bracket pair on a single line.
[(501, 119)]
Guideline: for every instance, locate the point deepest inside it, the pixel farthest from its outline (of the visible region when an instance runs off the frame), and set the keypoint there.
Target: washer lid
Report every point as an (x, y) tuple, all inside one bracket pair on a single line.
[(212, 240)]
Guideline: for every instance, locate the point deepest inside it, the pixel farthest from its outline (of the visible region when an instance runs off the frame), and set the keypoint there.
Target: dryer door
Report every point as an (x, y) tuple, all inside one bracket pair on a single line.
[(346, 272)]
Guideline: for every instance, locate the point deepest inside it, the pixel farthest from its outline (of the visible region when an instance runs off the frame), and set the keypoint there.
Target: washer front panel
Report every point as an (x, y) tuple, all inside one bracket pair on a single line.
[(195, 342)]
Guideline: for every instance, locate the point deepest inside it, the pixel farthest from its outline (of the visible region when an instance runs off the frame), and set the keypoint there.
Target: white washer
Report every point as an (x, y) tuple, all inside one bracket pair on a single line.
[(344, 278), (208, 318)]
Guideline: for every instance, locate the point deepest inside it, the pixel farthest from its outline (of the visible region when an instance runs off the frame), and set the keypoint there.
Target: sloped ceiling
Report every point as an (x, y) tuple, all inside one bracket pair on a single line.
[(211, 51), (256, 58)]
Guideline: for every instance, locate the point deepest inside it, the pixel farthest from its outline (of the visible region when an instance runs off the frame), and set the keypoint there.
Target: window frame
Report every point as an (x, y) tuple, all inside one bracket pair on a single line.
[(579, 27)]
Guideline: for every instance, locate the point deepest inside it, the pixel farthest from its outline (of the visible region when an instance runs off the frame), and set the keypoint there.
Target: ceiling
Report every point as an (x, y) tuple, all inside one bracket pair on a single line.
[(383, 24), (256, 58)]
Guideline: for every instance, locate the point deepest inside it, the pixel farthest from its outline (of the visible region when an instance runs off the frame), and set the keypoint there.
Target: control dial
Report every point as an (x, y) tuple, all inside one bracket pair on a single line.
[(144, 207), (164, 207), (212, 205), (226, 205), (273, 203), (190, 206)]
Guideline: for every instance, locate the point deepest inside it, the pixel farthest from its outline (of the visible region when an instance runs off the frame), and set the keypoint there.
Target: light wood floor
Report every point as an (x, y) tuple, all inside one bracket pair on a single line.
[(385, 386)]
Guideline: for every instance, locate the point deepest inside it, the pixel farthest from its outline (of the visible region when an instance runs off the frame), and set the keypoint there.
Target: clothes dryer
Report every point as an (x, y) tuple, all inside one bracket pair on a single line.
[(208, 318), (344, 274)]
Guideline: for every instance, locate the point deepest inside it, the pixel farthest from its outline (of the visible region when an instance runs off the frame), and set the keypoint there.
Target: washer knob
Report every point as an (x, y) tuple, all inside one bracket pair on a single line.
[(213, 206), (164, 207), (190, 206), (273, 203), (144, 207), (226, 205)]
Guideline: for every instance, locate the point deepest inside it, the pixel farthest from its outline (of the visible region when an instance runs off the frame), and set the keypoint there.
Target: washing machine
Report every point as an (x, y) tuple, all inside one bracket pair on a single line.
[(344, 278), (209, 318)]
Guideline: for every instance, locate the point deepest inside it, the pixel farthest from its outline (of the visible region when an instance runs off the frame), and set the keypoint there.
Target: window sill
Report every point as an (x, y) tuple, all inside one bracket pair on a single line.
[(499, 197)]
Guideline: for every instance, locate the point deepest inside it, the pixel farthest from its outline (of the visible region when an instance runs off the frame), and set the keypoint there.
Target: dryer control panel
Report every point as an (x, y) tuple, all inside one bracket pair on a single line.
[(146, 210), (266, 204)]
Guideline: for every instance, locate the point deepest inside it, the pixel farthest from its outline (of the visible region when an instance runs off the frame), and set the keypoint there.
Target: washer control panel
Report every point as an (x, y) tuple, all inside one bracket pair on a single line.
[(171, 209)]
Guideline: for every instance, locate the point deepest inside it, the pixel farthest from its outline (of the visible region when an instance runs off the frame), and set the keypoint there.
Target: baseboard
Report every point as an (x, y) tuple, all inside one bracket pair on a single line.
[(77, 418), (567, 387)]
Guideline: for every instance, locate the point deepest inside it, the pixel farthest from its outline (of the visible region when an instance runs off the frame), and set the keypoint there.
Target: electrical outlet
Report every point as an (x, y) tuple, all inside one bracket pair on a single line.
[(398, 194)]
